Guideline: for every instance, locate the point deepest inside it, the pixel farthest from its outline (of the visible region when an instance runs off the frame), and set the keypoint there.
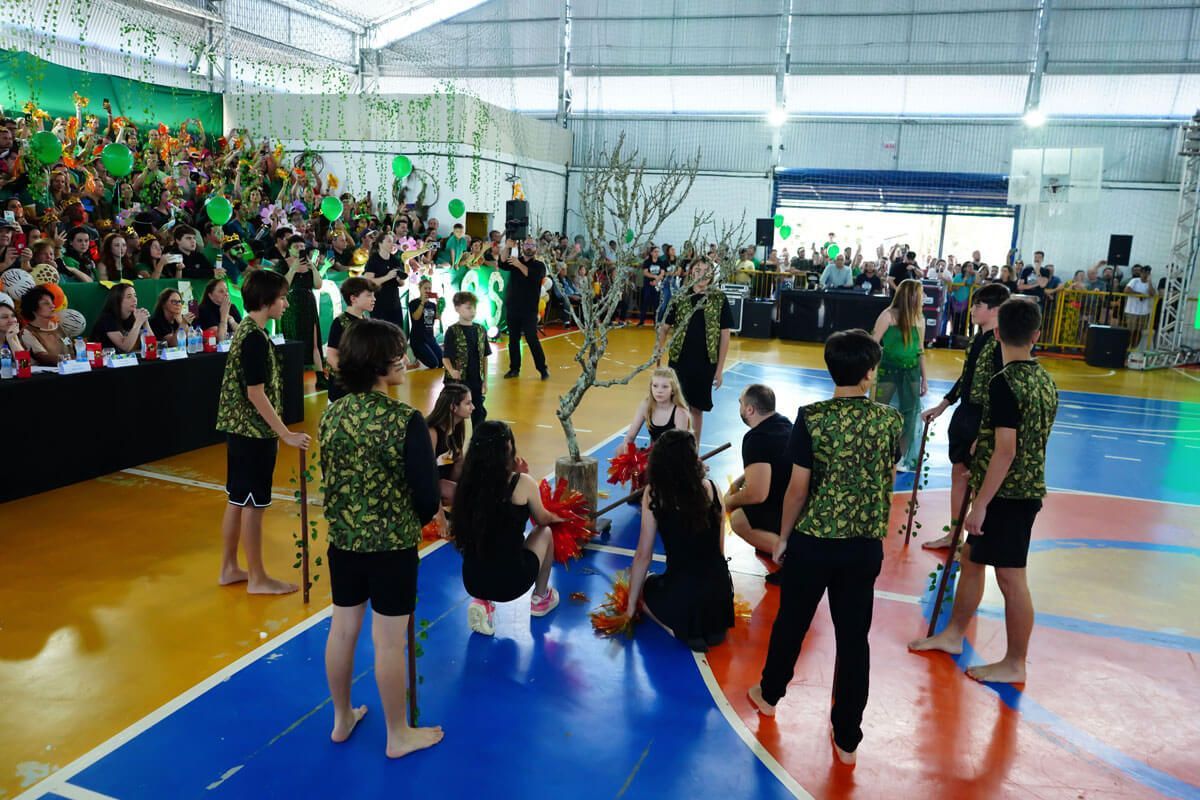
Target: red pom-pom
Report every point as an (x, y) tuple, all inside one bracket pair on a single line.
[(611, 619), (575, 528), (629, 466)]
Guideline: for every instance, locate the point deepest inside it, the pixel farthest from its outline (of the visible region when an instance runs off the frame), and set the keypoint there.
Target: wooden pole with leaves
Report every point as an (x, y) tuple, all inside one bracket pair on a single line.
[(305, 584), (912, 500)]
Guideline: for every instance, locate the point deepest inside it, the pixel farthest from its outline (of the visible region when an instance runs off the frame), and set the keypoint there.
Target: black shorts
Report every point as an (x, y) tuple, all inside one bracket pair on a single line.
[(963, 431), (500, 581), (764, 518), (249, 468), (1007, 527), (388, 579)]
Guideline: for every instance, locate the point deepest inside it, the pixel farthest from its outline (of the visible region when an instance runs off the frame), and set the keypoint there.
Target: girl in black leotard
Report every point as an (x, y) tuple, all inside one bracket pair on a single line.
[(663, 409), (494, 501), (693, 599), (448, 433)]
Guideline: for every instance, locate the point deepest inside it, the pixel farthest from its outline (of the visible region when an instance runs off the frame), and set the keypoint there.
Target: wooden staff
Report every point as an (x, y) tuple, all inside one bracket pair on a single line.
[(638, 492), (912, 501), (954, 539), (412, 671), (304, 524)]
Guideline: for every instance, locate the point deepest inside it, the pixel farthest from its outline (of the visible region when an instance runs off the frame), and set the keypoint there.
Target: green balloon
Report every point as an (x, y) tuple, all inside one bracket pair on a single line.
[(117, 159), (785, 231), (628, 236), (401, 167), (45, 147), (331, 208), (457, 208), (833, 251), (218, 209), (779, 220)]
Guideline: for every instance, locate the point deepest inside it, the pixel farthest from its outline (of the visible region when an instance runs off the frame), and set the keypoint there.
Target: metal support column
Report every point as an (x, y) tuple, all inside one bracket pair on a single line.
[(782, 62), (564, 65), (1181, 266)]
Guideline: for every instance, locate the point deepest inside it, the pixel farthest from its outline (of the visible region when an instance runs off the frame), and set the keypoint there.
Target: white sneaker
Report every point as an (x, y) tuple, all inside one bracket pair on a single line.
[(541, 606), (480, 617)]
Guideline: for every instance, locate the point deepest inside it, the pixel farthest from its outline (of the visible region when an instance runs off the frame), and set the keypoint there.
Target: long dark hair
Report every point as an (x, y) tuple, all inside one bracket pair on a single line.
[(676, 481), (112, 304), (482, 492), (442, 417), (160, 307)]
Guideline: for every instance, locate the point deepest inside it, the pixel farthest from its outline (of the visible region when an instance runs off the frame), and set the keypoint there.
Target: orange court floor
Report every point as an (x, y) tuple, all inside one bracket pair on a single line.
[(109, 608)]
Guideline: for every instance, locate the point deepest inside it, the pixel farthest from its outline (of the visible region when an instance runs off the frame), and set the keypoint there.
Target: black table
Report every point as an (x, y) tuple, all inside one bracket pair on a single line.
[(811, 316), (62, 429)]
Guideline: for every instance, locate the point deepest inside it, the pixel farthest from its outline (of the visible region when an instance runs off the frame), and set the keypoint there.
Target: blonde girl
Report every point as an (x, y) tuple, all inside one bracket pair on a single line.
[(663, 409), (901, 381)]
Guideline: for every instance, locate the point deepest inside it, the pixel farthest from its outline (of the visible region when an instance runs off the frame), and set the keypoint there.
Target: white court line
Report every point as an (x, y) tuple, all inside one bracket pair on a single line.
[(216, 487), (1098, 436), (743, 733), (620, 551), (57, 781), (1122, 458), (80, 793), (1147, 441), (1185, 374)]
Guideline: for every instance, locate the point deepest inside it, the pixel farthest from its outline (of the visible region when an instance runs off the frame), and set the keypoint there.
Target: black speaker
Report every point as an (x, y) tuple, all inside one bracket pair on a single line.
[(1106, 346), (765, 232), (758, 318), (800, 316), (516, 219), (1119, 246)]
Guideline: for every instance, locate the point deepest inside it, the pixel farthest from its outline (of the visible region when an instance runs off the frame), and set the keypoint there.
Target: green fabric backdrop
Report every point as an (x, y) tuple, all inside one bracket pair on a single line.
[(25, 77)]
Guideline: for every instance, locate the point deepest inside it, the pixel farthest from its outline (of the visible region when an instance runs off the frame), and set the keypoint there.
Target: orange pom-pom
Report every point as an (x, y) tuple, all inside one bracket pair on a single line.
[(575, 529), (629, 466), (611, 618)]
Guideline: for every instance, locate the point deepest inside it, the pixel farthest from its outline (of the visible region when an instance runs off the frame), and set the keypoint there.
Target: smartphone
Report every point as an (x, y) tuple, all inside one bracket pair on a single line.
[(10, 216)]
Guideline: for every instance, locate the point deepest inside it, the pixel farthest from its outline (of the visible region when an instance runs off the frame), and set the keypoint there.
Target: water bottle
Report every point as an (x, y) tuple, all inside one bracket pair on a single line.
[(6, 363), (80, 349), (195, 341), (143, 343)]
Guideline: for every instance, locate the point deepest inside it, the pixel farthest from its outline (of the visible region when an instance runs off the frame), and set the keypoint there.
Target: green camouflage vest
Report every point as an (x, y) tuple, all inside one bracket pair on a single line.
[(367, 503), (714, 300), (977, 392), (456, 348), (854, 443), (235, 413), (1037, 399)]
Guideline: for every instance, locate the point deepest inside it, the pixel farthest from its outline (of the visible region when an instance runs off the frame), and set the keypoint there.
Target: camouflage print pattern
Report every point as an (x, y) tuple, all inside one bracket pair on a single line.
[(711, 302), (977, 392), (455, 347), (1037, 399), (855, 444), (235, 412), (367, 504)]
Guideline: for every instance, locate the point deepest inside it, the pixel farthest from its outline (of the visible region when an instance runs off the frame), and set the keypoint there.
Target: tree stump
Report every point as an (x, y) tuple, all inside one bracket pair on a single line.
[(582, 476)]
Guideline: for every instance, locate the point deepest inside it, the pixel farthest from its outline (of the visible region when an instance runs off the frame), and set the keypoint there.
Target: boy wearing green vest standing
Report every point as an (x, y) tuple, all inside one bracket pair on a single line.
[(248, 412), (465, 350), (1008, 478)]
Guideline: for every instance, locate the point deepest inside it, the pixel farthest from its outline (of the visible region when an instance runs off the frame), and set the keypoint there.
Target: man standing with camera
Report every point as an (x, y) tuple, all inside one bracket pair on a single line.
[(525, 274)]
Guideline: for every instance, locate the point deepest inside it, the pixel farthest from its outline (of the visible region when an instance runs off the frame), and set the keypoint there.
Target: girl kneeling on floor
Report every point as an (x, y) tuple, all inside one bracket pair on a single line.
[(494, 499), (693, 599)]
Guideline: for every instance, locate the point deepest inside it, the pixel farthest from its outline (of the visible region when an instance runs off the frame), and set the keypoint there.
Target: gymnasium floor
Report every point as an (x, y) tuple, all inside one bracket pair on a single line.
[(125, 672)]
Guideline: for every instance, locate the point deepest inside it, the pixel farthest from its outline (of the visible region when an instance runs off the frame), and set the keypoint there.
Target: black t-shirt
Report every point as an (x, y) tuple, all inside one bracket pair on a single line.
[(255, 355), (768, 444), (524, 291), (209, 314), (196, 266), (1002, 405), (423, 328), (963, 383), (695, 340), (899, 270), (336, 329), (107, 324), (872, 281), (388, 296), (162, 327)]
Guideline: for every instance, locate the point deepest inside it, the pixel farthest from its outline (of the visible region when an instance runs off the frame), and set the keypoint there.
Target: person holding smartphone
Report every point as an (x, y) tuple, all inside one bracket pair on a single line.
[(300, 320)]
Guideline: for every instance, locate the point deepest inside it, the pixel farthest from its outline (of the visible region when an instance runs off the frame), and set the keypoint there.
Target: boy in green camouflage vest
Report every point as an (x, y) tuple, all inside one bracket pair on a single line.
[(465, 351), (381, 487), (1008, 477), (248, 412), (834, 520), (970, 392)]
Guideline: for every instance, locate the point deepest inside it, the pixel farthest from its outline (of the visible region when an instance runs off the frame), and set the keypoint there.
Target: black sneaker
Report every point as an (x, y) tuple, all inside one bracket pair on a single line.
[(545, 373), (512, 373)]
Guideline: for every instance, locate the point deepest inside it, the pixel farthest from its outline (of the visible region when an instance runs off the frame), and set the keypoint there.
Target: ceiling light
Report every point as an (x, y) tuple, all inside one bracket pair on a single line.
[(1034, 118), (776, 117)]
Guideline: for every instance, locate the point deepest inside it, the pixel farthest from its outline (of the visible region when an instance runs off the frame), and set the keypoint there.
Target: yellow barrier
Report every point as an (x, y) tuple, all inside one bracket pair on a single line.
[(1068, 313)]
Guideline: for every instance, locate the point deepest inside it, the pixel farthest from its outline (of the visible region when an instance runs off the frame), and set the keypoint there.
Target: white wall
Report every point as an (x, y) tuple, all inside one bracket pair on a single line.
[(726, 196), (1075, 236)]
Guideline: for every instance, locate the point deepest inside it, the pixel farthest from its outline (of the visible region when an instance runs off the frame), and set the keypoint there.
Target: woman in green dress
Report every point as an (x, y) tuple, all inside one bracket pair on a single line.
[(900, 381)]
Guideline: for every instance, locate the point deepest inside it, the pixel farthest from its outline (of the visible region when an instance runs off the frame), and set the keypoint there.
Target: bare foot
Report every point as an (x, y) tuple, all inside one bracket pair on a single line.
[(232, 576), (270, 586), (342, 729), (413, 739), (952, 644), (1000, 672), (938, 544), (844, 756), (756, 697)]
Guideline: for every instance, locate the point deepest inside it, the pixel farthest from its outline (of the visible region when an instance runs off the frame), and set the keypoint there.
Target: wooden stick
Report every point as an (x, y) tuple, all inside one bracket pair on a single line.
[(912, 501), (304, 582), (638, 492), (954, 539), (412, 671)]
